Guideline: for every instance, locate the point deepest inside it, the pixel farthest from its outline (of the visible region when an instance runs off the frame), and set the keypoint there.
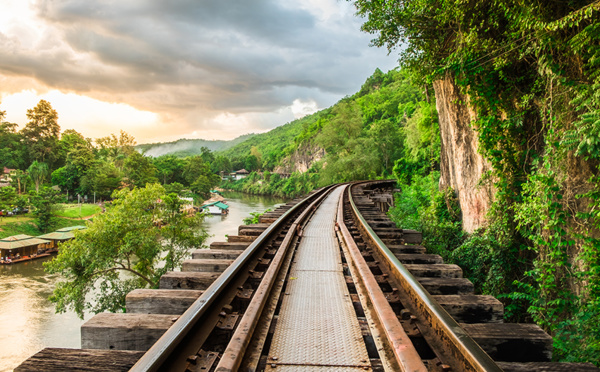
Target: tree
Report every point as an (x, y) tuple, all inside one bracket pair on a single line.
[(141, 237), (102, 179), (221, 164), (41, 132), (45, 203), (251, 163), (8, 196), (70, 140), (12, 149), (169, 168), (38, 172), (174, 188), (139, 170), (254, 151), (66, 178), (20, 178), (80, 160), (193, 168), (207, 155), (116, 149)]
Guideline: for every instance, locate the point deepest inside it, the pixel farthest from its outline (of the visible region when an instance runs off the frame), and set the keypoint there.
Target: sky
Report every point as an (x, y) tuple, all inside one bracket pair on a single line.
[(164, 70)]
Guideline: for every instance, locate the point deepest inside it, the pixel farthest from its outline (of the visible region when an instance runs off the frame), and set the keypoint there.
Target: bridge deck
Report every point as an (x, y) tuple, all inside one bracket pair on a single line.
[(317, 327)]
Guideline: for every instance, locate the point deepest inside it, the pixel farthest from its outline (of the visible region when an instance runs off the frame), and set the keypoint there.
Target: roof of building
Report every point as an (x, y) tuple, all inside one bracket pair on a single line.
[(65, 233), (216, 204), (242, 171), (21, 241)]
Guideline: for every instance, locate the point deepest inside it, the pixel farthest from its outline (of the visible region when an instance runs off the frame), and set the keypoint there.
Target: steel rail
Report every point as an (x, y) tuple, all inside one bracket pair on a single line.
[(155, 358), (234, 353), (406, 355), (443, 324)]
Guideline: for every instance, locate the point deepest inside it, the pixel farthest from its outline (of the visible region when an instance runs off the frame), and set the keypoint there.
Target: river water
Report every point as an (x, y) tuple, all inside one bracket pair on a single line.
[(27, 319)]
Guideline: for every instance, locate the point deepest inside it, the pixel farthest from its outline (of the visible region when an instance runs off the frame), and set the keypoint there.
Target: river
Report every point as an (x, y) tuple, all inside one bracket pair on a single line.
[(27, 319)]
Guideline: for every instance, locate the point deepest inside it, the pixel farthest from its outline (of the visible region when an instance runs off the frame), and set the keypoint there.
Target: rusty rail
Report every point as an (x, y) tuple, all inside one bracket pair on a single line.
[(171, 350), (406, 355), (234, 353), (463, 347)]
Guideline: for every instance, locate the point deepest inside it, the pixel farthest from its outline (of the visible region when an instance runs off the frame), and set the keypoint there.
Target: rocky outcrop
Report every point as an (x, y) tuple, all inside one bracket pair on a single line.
[(461, 164), (301, 160)]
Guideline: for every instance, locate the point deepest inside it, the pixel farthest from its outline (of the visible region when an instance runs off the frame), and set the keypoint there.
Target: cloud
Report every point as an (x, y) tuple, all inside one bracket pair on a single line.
[(192, 61)]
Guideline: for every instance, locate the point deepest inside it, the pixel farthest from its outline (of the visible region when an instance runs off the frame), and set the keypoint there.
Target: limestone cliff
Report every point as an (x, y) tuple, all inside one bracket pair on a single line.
[(301, 160), (461, 164)]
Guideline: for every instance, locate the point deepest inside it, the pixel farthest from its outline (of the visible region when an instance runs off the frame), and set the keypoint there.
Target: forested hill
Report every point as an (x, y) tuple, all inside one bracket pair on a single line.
[(360, 137), (189, 147)]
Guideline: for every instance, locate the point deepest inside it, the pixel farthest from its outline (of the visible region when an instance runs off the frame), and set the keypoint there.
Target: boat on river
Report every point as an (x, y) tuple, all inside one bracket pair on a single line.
[(19, 248)]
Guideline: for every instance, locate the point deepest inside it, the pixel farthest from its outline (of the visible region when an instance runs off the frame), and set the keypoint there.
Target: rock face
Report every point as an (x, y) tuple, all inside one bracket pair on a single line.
[(301, 160), (461, 164)]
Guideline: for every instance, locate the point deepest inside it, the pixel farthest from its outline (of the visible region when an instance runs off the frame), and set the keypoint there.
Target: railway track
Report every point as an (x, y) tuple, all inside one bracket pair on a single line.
[(256, 302)]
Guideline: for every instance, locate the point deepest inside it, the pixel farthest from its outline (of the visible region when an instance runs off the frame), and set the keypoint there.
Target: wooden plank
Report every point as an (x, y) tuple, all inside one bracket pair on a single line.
[(59, 359), (160, 301), (547, 367), (124, 331), (512, 342), (253, 229), (230, 245), (415, 258), (472, 308), (187, 280), (216, 254), (376, 224), (240, 238), (406, 248), (267, 219), (412, 236), (447, 286), (435, 270), (206, 265)]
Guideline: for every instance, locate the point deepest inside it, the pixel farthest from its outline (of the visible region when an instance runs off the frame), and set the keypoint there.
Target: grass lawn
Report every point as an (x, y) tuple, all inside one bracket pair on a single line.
[(73, 210), (24, 224)]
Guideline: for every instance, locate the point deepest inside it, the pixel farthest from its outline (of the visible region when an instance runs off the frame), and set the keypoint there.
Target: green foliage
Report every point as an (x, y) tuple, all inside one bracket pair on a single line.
[(41, 132), (273, 145), (436, 214), (297, 184), (140, 170), (38, 172), (530, 72), (254, 217), (45, 203), (12, 149), (8, 197), (131, 245)]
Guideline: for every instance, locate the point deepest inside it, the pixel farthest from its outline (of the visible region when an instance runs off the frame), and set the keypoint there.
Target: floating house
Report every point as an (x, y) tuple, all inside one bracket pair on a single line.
[(61, 235), (217, 207), (22, 247), (238, 175)]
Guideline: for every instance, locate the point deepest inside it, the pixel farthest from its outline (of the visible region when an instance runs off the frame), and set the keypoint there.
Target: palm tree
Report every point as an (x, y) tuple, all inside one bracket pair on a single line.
[(21, 177), (38, 171)]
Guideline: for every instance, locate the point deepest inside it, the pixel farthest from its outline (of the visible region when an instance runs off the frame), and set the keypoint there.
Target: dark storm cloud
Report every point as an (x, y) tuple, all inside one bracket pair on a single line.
[(236, 56)]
